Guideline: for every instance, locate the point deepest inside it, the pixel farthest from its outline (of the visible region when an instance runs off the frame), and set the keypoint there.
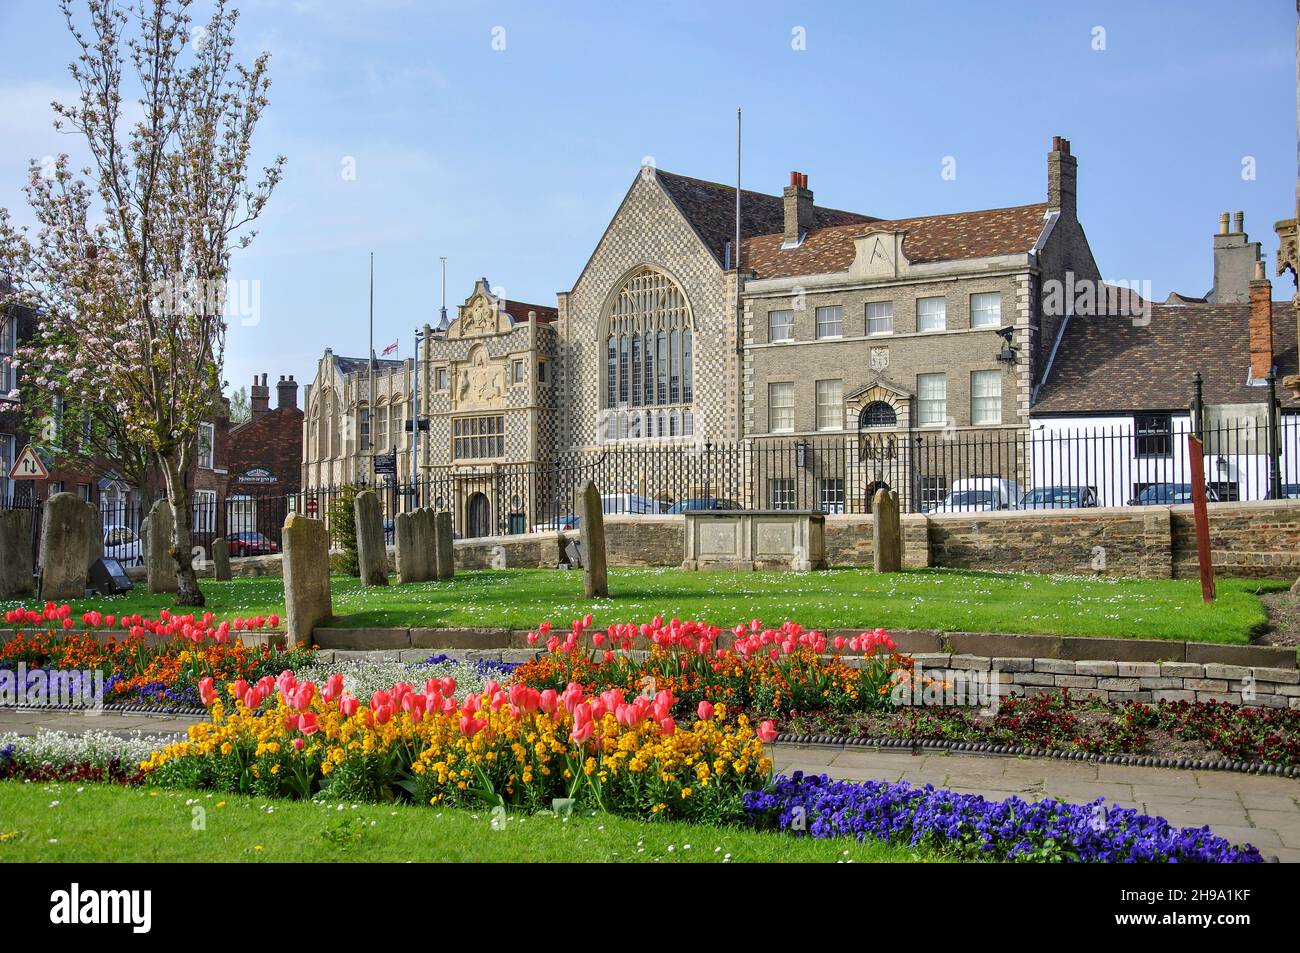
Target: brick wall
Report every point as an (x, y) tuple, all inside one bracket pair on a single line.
[(1260, 538)]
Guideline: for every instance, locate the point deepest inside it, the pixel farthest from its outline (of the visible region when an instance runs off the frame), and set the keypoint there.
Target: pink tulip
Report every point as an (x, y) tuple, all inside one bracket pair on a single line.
[(548, 701), (667, 726), (307, 723), (348, 705), (582, 731), (469, 727), (767, 732), (207, 694), (704, 711)]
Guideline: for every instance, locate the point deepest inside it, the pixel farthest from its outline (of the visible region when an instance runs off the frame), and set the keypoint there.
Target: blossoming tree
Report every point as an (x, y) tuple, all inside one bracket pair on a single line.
[(131, 259)]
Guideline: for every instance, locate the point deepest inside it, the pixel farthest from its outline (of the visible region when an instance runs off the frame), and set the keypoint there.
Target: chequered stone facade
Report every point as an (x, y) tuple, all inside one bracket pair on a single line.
[(648, 230)]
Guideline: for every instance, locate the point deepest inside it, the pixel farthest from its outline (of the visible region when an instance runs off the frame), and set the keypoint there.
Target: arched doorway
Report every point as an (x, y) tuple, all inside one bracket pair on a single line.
[(480, 516)]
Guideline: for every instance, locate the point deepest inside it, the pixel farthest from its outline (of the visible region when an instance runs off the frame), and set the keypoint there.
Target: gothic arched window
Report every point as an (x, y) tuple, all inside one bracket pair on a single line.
[(648, 347)]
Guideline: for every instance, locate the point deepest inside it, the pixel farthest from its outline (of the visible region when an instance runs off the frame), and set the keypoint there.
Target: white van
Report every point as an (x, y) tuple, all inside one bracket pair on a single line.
[(979, 495)]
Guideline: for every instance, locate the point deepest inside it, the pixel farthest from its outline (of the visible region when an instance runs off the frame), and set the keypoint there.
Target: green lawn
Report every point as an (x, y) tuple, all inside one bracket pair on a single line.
[(839, 598), (91, 823)]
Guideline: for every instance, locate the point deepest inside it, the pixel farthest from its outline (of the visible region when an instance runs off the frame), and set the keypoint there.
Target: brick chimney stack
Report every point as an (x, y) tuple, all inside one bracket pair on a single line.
[(1261, 324), (798, 208), (259, 397), (286, 393), (1062, 178)]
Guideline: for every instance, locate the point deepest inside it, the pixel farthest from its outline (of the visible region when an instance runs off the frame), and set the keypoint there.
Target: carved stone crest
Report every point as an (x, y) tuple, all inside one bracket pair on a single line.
[(481, 381), (879, 358)]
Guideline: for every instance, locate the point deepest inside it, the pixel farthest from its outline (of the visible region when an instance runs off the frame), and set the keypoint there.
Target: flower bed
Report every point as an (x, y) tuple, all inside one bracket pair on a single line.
[(765, 671), (968, 826), (1062, 722), (64, 756), (516, 746), (155, 662)]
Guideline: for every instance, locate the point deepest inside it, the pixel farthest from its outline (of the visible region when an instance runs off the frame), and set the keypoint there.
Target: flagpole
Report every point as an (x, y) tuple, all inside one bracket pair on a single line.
[(370, 395)]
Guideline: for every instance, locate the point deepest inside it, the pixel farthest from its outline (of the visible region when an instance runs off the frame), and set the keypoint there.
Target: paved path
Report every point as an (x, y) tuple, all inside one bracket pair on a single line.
[(1263, 810), (29, 722)]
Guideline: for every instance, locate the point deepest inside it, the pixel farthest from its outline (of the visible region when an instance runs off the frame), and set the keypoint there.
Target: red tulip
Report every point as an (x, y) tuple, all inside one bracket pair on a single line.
[(207, 694), (767, 732)]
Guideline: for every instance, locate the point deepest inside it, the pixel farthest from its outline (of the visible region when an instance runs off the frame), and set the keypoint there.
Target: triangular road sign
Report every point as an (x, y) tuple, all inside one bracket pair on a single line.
[(28, 466)]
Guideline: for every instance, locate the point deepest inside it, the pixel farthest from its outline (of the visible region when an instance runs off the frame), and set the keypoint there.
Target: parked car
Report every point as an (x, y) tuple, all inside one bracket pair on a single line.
[(121, 543), (1291, 491), (251, 543), (1167, 494), (979, 495), (629, 504), (1059, 498), (702, 503), (568, 521)]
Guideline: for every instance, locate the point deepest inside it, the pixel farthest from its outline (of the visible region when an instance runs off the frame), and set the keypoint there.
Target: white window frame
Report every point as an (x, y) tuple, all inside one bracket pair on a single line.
[(830, 316), (986, 408), (210, 455), (931, 410), (786, 326), (932, 314), (829, 400), (885, 315), (978, 306), (203, 519), (782, 493), (780, 415), (830, 495)]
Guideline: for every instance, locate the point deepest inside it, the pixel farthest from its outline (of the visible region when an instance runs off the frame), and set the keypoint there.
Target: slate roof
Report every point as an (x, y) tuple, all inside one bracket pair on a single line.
[(1107, 364), (349, 365), (710, 207)]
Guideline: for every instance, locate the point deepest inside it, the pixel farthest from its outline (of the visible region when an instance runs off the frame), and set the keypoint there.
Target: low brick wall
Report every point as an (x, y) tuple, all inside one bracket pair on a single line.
[(1119, 682), (1246, 539), (1259, 539)]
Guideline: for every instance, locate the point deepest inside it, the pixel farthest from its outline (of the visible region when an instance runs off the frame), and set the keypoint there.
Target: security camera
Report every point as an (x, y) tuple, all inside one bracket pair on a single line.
[(1005, 333)]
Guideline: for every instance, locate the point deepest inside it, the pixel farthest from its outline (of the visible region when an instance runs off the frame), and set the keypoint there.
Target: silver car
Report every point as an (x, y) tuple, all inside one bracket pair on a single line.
[(122, 543)]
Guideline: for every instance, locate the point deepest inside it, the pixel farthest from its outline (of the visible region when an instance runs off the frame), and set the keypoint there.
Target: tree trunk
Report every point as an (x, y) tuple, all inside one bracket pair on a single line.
[(178, 495)]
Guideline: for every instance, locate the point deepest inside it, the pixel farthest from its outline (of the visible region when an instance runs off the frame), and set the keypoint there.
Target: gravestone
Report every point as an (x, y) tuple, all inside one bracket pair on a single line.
[(443, 548), (591, 532), (886, 532), (95, 552), (416, 553), (372, 554), (16, 553), (159, 567), (221, 559), (306, 576), (65, 541)]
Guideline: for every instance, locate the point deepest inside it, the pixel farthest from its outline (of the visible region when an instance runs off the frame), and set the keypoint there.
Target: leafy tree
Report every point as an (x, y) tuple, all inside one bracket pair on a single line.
[(130, 263), (241, 408), (343, 531)]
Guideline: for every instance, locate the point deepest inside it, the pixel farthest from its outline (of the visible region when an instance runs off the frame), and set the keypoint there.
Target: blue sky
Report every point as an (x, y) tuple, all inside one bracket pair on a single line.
[(511, 161)]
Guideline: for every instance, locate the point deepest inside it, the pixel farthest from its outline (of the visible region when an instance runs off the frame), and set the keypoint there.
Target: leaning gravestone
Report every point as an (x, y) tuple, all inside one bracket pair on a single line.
[(443, 549), (220, 559), (306, 576), (372, 554), (886, 532), (65, 540), (159, 567), (416, 556), (16, 553), (591, 532)]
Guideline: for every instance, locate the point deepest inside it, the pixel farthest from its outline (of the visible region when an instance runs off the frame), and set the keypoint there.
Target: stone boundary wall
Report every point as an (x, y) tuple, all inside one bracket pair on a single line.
[(1256, 539)]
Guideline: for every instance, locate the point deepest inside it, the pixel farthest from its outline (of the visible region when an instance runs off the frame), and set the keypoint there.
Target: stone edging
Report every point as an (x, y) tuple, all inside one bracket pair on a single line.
[(980, 747), (113, 708)]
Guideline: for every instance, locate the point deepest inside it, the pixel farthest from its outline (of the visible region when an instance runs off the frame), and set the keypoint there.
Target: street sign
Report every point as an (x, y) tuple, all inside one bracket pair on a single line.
[(311, 507), (28, 466)]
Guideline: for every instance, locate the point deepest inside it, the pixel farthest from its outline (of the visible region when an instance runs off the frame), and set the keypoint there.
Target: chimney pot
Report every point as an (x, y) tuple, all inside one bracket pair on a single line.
[(1239, 222), (794, 179), (1223, 224), (286, 393)]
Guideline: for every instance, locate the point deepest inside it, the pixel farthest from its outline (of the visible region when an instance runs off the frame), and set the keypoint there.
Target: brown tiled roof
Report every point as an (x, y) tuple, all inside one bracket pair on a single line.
[(1106, 364), (999, 231), (711, 209), (518, 310)]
